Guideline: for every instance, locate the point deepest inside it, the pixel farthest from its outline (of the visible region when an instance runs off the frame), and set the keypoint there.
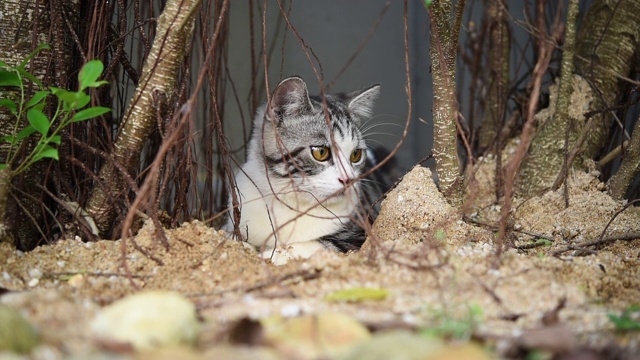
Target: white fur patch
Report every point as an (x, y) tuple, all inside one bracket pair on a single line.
[(277, 215)]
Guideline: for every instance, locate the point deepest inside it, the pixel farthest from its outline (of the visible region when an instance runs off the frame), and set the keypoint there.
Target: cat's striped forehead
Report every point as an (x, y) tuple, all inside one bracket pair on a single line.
[(341, 120)]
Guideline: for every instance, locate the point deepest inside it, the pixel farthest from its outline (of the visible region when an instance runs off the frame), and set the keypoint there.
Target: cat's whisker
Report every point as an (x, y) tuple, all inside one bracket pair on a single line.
[(379, 116), (376, 141), (369, 120), (364, 129), (367, 136), (366, 182)]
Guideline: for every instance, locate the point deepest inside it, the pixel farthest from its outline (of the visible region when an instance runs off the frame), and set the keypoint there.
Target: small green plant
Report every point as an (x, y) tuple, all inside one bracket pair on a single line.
[(456, 327), (541, 242), (71, 108), (629, 320)]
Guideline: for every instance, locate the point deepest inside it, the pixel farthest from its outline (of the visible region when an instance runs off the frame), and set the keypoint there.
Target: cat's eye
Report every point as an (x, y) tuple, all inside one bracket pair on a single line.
[(321, 153), (356, 155)]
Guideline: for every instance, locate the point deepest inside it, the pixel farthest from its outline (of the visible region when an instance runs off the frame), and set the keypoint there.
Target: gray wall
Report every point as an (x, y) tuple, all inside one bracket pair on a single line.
[(333, 30)]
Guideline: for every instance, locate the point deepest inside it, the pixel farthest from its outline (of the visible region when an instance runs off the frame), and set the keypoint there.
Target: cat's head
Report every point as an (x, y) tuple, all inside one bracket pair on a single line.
[(317, 148)]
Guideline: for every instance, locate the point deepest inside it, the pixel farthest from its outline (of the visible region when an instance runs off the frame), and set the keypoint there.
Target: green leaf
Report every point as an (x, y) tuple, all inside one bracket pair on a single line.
[(8, 138), (25, 132), (9, 105), (82, 100), (3, 166), (427, 3), (98, 83), (47, 152), (89, 73), (626, 321), (56, 90), (39, 106), (357, 294), (90, 113), (55, 139), (37, 98), (3, 64), (29, 76), (543, 242), (33, 53), (39, 121), (460, 326), (71, 100), (9, 78), (63, 95)]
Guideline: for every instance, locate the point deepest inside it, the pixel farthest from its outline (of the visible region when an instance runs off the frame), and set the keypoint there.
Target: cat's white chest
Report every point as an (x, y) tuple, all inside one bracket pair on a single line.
[(283, 219)]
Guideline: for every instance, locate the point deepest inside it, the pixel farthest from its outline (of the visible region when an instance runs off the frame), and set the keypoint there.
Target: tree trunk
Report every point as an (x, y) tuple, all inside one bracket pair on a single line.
[(603, 53), (443, 53), (173, 33), (629, 168), (5, 184), (498, 64), (557, 135)]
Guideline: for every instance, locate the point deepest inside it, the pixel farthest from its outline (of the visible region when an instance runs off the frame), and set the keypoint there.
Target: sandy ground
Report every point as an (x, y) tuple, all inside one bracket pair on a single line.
[(435, 267)]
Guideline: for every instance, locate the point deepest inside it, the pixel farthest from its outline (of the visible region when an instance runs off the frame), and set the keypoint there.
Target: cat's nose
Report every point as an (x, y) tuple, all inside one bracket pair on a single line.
[(344, 179)]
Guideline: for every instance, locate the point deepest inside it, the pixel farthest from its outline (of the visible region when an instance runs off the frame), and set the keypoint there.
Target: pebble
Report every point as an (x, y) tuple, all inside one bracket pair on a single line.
[(16, 334), (148, 320), (290, 310), (395, 345), (35, 273), (313, 336), (76, 280)]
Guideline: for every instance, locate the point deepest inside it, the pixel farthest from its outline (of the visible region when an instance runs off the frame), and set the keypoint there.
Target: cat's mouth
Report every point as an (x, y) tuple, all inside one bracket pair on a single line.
[(328, 196), (340, 195)]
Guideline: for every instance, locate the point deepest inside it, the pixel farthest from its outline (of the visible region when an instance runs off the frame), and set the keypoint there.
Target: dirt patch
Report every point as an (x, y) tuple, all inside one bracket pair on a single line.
[(434, 266)]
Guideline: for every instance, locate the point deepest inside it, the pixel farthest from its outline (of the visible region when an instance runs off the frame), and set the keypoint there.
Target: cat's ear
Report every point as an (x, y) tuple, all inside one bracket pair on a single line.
[(290, 98), (361, 102)]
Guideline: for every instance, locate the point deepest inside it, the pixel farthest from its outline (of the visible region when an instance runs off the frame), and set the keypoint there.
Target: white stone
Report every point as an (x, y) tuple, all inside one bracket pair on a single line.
[(148, 320), (290, 310), (35, 273)]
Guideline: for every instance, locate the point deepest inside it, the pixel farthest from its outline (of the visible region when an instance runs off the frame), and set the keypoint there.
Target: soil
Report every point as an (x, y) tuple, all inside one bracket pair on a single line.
[(433, 265)]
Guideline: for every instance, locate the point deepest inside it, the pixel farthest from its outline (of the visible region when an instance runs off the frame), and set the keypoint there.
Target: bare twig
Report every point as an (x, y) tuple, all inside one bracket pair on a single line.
[(602, 241), (545, 52), (283, 280)]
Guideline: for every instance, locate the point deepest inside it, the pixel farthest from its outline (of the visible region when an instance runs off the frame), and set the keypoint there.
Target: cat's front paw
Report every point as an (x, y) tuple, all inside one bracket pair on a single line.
[(302, 250), (277, 256)]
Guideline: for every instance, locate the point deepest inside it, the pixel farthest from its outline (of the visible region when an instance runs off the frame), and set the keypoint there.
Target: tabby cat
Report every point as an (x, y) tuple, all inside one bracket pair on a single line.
[(300, 188)]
